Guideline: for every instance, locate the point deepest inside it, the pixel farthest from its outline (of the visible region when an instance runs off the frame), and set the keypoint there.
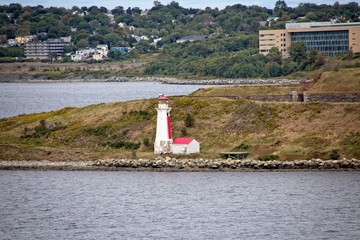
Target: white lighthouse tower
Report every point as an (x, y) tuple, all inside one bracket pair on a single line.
[(163, 138)]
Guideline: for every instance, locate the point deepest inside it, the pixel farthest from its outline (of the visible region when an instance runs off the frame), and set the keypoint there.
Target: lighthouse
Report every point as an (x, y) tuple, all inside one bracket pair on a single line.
[(163, 140)]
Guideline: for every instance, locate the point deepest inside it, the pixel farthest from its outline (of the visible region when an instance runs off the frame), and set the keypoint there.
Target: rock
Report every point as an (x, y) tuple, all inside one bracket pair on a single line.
[(214, 165)]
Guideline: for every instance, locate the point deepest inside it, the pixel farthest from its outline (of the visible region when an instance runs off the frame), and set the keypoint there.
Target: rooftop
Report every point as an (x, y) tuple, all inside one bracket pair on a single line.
[(192, 38), (183, 140), (320, 25)]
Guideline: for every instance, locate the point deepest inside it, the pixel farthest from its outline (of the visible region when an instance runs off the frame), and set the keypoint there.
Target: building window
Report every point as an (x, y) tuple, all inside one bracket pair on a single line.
[(265, 35), (329, 42)]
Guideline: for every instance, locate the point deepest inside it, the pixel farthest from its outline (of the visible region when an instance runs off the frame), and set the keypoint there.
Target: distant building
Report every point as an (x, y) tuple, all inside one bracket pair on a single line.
[(120, 49), (111, 17), (22, 40), (185, 146), (66, 39), (191, 38), (82, 54), (98, 56), (122, 25), (326, 37), (102, 49), (12, 42), (45, 50), (77, 57), (269, 20)]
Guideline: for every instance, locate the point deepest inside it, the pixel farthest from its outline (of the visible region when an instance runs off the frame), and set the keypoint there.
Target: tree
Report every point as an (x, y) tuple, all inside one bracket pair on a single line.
[(312, 55), (189, 120), (115, 55), (112, 39), (272, 69), (118, 11), (83, 43), (280, 7), (274, 55), (298, 51)]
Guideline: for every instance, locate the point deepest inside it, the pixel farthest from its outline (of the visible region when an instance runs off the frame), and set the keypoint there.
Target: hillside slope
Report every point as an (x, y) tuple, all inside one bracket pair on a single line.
[(288, 130)]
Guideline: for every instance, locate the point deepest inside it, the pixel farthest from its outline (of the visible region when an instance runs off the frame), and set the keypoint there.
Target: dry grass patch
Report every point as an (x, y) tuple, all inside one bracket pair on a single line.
[(346, 80)]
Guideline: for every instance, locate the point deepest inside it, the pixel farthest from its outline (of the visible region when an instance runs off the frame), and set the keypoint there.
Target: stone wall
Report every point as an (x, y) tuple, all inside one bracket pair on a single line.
[(307, 97), (332, 97), (270, 98)]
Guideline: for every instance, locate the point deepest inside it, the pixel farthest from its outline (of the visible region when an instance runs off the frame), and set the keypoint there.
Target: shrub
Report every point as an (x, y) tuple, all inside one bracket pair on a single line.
[(243, 146), (97, 131), (334, 155), (270, 157), (146, 142), (41, 130), (189, 120), (184, 131)]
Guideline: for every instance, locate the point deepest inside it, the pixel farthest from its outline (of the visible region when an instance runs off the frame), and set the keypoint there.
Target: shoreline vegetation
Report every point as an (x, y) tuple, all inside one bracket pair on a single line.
[(168, 164)]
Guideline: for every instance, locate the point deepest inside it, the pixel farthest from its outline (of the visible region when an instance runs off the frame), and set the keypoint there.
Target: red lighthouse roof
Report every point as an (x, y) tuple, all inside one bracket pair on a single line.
[(183, 140), (163, 98)]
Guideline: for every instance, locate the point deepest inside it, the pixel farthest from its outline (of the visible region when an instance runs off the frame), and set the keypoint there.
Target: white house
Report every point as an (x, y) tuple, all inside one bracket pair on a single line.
[(82, 54), (77, 57), (185, 146), (12, 42), (102, 49)]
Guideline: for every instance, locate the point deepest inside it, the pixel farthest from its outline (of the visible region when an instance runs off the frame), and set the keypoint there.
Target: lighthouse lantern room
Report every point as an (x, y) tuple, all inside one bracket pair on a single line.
[(163, 140)]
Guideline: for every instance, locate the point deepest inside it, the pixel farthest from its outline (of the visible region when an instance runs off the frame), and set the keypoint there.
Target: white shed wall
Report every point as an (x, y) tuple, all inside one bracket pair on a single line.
[(192, 147)]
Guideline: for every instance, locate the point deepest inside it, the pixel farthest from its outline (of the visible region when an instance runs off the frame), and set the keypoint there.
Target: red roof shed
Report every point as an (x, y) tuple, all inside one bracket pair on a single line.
[(182, 140)]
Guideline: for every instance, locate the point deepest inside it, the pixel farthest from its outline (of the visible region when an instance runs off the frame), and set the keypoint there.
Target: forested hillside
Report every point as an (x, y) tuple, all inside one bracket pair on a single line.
[(229, 50)]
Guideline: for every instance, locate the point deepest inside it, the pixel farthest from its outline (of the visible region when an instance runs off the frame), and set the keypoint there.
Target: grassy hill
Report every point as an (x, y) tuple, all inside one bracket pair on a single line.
[(344, 80), (287, 130)]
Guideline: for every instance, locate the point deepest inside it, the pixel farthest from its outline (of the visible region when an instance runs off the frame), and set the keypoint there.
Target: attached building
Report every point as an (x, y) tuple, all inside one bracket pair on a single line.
[(185, 146), (326, 37)]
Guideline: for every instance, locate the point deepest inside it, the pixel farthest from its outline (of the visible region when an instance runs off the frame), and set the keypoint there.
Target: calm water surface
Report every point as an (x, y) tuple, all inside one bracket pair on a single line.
[(22, 98), (146, 205)]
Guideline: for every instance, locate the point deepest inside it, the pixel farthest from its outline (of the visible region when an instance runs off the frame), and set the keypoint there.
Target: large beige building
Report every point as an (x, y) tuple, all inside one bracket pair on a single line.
[(43, 50), (326, 37)]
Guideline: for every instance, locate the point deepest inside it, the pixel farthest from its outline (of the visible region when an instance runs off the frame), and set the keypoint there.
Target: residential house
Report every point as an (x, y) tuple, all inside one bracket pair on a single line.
[(82, 54), (100, 52)]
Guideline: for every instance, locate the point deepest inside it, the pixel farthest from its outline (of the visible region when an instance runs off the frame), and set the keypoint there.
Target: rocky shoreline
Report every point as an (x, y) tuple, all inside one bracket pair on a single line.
[(186, 165), (163, 80)]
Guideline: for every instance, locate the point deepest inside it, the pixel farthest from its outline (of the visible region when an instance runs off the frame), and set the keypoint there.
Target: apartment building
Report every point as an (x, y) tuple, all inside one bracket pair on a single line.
[(326, 37), (46, 49)]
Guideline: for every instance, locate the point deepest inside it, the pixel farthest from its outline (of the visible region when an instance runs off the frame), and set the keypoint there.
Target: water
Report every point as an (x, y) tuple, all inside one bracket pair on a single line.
[(148, 205), (22, 98)]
